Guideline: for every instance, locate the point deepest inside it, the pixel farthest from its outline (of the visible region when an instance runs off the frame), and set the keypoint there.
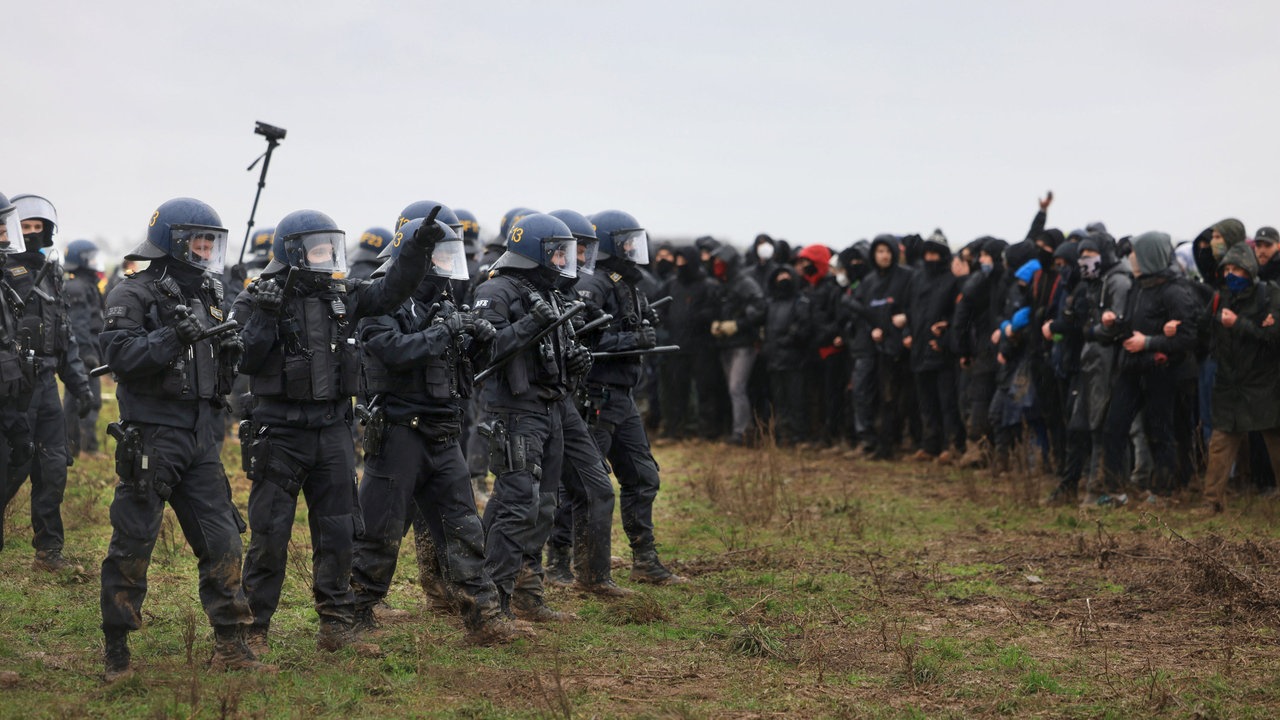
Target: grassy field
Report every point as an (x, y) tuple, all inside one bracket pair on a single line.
[(821, 587)]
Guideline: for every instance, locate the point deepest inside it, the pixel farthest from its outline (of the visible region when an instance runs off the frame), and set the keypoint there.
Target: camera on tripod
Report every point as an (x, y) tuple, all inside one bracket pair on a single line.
[(270, 132)]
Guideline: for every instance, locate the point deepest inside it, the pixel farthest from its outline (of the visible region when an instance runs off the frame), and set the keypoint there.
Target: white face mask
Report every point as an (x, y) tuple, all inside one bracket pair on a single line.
[(764, 251), (842, 279)]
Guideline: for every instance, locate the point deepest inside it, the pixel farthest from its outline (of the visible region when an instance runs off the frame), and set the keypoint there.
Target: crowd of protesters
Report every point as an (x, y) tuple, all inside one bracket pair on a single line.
[(1131, 370)]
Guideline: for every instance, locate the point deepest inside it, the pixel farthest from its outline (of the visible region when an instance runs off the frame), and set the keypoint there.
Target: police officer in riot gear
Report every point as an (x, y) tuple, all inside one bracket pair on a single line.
[(47, 330), (418, 367), (172, 378), (84, 310), (521, 404), (607, 402), (301, 356), (584, 521), (364, 259), (17, 363)]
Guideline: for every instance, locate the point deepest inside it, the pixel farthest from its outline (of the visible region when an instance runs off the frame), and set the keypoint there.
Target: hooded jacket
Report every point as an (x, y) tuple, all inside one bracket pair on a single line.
[(883, 294), (693, 305), (740, 299), (978, 306), (931, 298), (1246, 386), (788, 327), (824, 296), (1232, 232), (1156, 298)]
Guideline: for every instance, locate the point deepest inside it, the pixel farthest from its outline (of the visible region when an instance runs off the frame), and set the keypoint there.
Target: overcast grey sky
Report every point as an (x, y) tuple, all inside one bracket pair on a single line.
[(813, 121)]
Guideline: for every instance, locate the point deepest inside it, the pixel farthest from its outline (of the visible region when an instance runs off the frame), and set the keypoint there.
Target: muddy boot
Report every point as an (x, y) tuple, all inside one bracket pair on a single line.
[(647, 568), (230, 652), (494, 626), (975, 456), (606, 588), (336, 635), (52, 561), (385, 613), (255, 636), (558, 566), (116, 657), (948, 456), (366, 621), (534, 609)]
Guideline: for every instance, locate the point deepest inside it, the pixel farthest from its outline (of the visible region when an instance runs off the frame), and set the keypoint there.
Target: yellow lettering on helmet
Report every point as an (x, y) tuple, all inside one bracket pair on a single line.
[(399, 239), (154, 218), (400, 223), (371, 240), (516, 234)]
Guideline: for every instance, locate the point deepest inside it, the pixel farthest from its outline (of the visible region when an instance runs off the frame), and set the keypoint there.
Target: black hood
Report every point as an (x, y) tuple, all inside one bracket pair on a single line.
[(995, 247), (777, 292), (888, 241)]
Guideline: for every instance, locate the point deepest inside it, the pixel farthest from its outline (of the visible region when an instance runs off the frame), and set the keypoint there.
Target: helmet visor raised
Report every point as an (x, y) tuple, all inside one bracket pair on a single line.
[(632, 245), (201, 246), (449, 259), (561, 254), (318, 251)]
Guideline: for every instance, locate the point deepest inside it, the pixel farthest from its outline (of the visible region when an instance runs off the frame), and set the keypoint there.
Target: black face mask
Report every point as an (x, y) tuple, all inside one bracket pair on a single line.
[(689, 272), (308, 281), (566, 284), (935, 267), (785, 286), (809, 270), (857, 271), (33, 241), (664, 267)]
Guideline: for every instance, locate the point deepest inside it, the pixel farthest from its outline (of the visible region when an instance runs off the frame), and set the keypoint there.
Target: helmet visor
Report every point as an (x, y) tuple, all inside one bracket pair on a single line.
[(632, 245), (319, 251), (201, 246), (34, 207), (11, 232), (450, 260), (561, 254), (587, 248)]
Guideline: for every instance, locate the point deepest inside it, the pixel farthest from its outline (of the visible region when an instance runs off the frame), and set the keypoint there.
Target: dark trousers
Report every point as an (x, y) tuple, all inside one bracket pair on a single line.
[(939, 410), (866, 401), (201, 499), (584, 520), (619, 435), (1150, 390), (428, 477), (981, 388), (834, 374), (320, 463), (82, 432), (48, 466), (894, 376), (789, 405), (521, 509)]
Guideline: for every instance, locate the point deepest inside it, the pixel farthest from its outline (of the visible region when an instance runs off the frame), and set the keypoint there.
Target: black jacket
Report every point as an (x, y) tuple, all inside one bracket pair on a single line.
[(788, 328), (537, 378), (740, 300), (687, 318), (931, 298), (614, 290), (883, 294), (84, 310)]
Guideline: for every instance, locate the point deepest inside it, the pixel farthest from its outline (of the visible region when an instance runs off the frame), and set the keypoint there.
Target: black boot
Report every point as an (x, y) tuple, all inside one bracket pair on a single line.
[(231, 652), (558, 566), (116, 656), (647, 568)]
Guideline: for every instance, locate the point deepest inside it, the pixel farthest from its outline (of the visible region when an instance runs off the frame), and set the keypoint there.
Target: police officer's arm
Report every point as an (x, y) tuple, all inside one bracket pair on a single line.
[(382, 296), (383, 338), (125, 343), (258, 331), (610, 338), (71, 369), (494, 303)]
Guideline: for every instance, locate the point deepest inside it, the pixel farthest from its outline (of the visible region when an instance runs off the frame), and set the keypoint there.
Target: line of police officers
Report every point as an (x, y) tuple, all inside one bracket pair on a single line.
[(309, 339)]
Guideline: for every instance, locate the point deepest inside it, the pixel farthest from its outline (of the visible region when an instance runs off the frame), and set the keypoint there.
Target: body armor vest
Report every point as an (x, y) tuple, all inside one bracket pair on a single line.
[(16, 372), (542, 365), (315, 356), (446, 377), (194, 374), (45, 316)]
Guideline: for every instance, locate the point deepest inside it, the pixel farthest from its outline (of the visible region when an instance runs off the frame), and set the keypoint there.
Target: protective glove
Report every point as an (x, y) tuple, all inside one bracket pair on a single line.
[(646, 337), (231, 347), (542, 312), (482, 331), (85, 404), (651, 315), (187, 327), (578, 360), (428, 233), (459, 323), (269, 297)]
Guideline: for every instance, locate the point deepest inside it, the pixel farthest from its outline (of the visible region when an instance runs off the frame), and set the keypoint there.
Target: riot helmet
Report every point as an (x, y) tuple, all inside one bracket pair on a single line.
[(585, 233), (33, 207), (260, 246), (448, 260), (621, 236), (540, 241), (186, 230), (10, 227), (423, 208), (308, 240), (374, 242), (82, 255)]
